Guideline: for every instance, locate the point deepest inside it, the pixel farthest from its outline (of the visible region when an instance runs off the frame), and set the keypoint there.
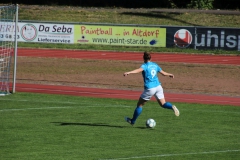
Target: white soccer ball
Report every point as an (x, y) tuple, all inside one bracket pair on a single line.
[(150, 123)]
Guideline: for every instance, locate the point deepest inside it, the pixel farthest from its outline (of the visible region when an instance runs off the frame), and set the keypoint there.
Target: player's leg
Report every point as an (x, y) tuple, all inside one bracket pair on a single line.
[(168, 105), (145, 96), (137, 111), (162, 102)]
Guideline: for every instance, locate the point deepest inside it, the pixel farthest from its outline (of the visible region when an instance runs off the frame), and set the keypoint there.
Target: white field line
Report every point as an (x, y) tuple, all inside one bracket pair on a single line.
[(92, 106), (59, 102), (24, 109), (39, 101), (86, 104), (105, 106), (171, 155), (76, 105)]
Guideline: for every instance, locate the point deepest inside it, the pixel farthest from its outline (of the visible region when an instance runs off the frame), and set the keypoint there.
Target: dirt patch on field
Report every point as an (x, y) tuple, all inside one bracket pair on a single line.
[(189, 78)]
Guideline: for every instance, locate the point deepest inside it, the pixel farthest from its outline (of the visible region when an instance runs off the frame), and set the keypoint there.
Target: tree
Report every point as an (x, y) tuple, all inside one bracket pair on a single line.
[(201, 4)]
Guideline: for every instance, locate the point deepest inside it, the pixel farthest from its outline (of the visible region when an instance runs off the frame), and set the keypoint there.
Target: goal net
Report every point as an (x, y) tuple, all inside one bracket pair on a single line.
[(8, 46)]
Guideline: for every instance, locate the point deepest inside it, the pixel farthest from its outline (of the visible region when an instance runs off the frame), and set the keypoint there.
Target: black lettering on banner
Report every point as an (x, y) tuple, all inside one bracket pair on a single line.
[(43, 28), (53, 40), (62, 29)]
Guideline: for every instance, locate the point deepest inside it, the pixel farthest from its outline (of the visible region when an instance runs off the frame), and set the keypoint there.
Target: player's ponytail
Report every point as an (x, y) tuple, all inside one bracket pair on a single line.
[(146, 56)]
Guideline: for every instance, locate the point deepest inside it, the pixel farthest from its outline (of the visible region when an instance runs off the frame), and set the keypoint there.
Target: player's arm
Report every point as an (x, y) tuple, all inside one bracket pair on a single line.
[(133, 71), (166, 74)]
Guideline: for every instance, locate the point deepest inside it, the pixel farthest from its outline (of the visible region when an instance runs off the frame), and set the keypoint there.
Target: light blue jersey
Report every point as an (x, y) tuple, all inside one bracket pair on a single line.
[(150, 75)]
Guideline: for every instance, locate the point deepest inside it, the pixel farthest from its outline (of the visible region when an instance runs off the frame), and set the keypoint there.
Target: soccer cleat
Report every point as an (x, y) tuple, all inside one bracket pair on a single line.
[(129, 120), (176, 111)]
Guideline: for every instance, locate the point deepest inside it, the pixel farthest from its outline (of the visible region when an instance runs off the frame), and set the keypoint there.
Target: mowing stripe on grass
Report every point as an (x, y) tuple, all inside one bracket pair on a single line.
[(170, 155)]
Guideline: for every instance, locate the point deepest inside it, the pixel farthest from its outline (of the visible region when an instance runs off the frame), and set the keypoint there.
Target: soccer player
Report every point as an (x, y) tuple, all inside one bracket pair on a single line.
[(152, 86)]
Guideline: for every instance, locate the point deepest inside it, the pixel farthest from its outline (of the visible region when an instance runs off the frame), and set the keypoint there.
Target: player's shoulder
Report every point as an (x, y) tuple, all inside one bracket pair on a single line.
[(156, 65)]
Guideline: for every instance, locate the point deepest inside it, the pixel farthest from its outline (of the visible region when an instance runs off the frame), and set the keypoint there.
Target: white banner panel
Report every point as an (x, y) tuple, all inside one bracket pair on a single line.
[(38, 32)]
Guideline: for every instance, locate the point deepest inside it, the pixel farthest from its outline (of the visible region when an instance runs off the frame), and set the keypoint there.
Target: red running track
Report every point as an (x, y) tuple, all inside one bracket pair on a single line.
[(125, 94), (128, 94), (135, 56)]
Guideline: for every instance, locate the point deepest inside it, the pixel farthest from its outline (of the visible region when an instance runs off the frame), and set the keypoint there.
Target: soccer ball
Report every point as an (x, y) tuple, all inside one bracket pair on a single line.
[(150, 123)]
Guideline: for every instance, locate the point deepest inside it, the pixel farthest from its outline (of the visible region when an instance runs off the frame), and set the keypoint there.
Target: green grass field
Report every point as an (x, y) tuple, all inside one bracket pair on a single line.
[(57, 127)]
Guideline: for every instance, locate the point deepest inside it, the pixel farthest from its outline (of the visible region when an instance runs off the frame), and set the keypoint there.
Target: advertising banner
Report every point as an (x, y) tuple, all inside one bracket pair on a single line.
[(38, 32), (203, 38), (169, 36), (120, 35), (218, 38)]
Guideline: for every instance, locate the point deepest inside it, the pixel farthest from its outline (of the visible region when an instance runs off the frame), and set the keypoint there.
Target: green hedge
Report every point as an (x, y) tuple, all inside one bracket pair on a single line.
[(204, 4)]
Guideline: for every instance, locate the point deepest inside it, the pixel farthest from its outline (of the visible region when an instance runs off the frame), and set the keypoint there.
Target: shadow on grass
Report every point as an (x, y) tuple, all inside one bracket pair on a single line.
[(158, 14), (93, 124)]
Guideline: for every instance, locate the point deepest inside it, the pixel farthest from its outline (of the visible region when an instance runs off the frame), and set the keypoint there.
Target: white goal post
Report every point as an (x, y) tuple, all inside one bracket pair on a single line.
[(8, 48)]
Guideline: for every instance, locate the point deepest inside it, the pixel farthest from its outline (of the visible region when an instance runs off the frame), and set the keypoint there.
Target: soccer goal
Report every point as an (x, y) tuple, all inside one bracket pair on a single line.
[(8, 48)]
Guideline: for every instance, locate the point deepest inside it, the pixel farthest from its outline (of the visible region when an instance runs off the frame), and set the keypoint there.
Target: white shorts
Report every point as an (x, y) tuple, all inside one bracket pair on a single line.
[(157, 92)]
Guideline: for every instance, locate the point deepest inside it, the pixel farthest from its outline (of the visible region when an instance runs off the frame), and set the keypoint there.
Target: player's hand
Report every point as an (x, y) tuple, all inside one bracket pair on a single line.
[(125, 74), (171, 76)]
